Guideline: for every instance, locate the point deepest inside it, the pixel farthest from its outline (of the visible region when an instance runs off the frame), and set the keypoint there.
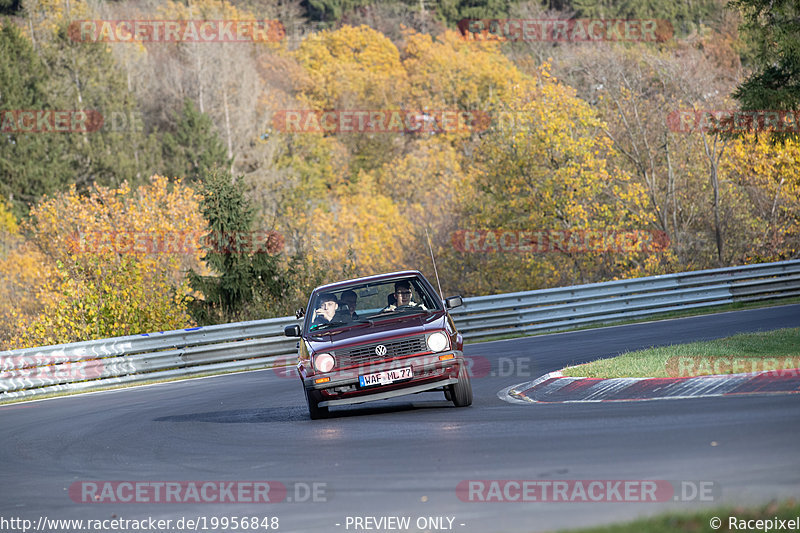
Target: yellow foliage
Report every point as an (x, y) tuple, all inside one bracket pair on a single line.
[(451, 73), (429, 171), (115, 262), (766, 178), (202, 9), (350, 68), (8, 224), (20, 270), (419, 186), (362, 230), (544, 167), (25, 276), (46, 17)]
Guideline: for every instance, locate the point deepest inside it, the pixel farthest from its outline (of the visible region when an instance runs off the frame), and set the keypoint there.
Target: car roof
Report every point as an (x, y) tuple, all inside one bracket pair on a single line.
[(377, 277)]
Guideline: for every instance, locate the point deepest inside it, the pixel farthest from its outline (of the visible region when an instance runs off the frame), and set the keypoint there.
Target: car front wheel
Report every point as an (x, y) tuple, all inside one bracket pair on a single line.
[(461, 392), (314, 411)]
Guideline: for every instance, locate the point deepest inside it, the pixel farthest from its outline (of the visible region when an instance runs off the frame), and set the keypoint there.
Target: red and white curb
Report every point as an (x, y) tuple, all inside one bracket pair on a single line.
[(557, 388)]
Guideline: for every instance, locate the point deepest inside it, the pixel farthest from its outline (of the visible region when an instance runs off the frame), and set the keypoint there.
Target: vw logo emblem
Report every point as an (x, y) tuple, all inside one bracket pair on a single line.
[(380, 350)]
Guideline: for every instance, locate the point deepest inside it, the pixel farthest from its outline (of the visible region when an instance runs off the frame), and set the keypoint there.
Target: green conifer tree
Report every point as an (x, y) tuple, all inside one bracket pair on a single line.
[(31, 163), (773, 30), (194, 148), (248, 278)]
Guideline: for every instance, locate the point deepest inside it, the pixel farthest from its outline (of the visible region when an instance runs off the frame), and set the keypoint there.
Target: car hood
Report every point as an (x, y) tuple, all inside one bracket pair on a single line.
[(382, 330)]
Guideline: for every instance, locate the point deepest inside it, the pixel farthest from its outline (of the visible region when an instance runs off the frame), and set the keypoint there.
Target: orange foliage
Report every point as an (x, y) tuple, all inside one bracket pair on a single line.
[(110, 272)]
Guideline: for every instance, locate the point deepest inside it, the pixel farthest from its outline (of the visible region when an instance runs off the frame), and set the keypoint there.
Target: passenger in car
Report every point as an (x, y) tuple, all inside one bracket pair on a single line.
[(403, 296), (349, 299)]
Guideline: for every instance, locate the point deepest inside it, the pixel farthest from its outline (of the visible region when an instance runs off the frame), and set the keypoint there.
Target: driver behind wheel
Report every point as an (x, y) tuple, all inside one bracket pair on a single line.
[(403, 294), (327, 305)]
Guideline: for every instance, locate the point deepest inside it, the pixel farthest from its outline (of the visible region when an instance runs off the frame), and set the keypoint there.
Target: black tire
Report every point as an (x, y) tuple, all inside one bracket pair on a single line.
[(314, 411), (461, 392)]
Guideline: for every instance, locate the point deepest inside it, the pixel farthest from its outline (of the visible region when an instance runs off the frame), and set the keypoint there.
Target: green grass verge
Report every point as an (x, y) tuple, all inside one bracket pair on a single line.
[(746, 352), (700, 522)]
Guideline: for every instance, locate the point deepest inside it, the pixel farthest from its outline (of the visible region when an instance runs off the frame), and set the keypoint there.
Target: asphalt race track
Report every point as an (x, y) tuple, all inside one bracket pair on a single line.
[(406, 457)]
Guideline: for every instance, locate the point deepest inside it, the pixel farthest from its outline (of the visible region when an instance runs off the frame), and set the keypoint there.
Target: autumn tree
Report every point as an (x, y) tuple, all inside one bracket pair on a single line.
[(765, 221), (451, 73), (361, 231), (350, 66), (24, 273), (354, 69), (545, 167), (115, 262)]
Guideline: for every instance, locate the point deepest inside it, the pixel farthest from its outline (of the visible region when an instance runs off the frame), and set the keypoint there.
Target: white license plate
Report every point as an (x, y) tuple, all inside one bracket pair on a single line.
[(385, 377)]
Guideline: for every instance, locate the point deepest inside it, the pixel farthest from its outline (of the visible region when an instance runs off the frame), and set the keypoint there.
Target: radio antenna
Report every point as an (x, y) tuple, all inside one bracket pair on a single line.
[(441, 294)]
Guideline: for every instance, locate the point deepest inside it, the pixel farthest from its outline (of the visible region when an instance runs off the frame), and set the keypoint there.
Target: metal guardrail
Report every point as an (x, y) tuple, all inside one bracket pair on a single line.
[(82, 366), (595, 303), (259, 344)]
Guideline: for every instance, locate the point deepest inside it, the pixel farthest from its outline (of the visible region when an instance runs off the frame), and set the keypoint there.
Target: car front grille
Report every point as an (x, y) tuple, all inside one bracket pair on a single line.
[(365, 353)]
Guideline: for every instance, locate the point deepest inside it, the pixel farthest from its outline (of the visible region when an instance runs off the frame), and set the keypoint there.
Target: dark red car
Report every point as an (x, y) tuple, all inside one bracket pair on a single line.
[(379, 337)]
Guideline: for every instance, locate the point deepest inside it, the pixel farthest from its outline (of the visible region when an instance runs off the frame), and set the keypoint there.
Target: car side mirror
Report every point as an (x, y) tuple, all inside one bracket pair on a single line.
[(292, 331), (453, 301)]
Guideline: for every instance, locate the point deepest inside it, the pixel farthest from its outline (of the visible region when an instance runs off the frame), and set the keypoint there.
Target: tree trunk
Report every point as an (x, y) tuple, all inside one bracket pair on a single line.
[(228, 133), (714, 158)]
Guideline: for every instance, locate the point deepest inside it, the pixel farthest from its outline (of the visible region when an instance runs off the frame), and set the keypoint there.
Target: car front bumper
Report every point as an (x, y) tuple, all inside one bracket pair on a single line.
[(430, 371)]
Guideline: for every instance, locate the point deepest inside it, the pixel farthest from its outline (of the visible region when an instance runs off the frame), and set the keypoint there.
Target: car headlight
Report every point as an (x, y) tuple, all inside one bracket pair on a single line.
[(324, 362), (438, 342)]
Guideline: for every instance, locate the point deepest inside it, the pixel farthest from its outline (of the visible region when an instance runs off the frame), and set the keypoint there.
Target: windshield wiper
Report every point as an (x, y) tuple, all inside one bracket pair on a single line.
[(328, 325), (401, 313), (332, 327)]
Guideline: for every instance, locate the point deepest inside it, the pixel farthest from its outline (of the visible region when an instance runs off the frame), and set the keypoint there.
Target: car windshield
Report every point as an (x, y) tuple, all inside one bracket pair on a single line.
[(365, 302)]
